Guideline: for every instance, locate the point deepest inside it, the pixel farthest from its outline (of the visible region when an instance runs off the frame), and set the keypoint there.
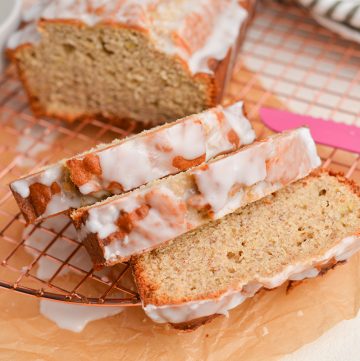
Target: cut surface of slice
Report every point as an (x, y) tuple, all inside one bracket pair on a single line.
[(298, 232), (131, 223), (131, 162), (151, 60)]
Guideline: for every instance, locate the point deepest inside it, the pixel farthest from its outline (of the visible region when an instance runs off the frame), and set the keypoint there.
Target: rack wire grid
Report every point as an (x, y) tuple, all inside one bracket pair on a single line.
[(287, 61)]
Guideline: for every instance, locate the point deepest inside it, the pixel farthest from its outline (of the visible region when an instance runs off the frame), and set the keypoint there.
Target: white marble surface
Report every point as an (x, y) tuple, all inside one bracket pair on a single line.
[(341, 343)]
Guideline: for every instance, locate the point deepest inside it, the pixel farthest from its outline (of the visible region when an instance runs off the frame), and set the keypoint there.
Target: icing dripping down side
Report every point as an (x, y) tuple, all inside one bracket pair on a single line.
[(195, 309), (278, 160), (145, 227), (222, 38)]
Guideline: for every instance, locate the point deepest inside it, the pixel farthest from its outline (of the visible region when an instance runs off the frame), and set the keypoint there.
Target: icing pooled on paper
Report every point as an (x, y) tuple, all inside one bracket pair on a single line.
[(75, 317), (67, 316)]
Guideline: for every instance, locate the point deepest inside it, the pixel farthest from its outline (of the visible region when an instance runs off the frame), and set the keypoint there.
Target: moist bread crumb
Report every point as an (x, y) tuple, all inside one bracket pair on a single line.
[(131, 61), (300, 222), (125, 69)]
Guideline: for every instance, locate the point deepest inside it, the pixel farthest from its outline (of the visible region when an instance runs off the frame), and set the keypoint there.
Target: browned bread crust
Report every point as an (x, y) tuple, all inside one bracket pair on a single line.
[(193, 324), (26, 207)]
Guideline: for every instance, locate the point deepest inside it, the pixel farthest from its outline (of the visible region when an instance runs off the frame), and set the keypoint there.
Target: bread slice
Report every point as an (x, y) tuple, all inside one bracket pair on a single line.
[(298, 232), (131, 162), (151, 61), (129, 224)]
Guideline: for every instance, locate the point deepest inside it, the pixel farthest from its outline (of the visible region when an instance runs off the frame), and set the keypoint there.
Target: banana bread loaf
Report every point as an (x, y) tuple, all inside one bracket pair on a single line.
[(148, 60)]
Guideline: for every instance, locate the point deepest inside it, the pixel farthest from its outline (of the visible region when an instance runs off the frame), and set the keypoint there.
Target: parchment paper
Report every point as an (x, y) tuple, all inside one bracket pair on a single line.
[(270, 325), (266, 327)]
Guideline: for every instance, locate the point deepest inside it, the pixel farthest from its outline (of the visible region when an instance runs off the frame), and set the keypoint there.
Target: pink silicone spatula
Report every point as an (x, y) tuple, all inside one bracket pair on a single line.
[(327, 132)]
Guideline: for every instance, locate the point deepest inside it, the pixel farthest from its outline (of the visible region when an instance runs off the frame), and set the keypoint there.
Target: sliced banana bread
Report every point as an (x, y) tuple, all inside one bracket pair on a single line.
[(131, 162), (129, 224), (148, 60), (296, 233)]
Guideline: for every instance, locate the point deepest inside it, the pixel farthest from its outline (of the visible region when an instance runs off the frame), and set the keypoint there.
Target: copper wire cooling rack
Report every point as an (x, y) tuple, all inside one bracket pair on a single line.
[(287, 62)]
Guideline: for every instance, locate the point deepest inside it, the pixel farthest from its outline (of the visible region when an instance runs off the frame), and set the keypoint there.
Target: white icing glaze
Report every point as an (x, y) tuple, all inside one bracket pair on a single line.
[(185, 139), (164, 220), (217, 180), (188, 311), (151, 156), (215, 22), (139, 160), (194, 310), (134, 167), (75, 317), (222, 38), (27, 34), (310, 273), (89, 187), (59, 202), (50, 175), (102, 221), (217, 130), (46, 177), (242, 128), (33, 11), (21, 187), (288, 157)]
